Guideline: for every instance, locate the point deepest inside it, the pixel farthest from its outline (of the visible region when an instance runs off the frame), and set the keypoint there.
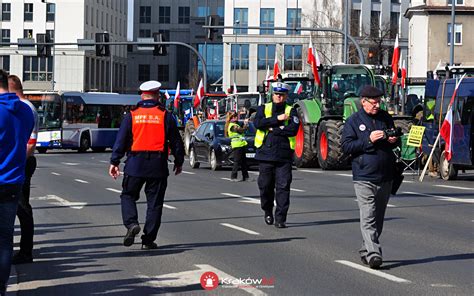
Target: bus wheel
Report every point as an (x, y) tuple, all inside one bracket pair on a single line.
[(41, 150), (85, 143)]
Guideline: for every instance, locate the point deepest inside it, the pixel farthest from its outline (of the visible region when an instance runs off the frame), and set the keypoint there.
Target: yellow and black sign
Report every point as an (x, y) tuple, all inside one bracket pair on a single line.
[(415, 136)]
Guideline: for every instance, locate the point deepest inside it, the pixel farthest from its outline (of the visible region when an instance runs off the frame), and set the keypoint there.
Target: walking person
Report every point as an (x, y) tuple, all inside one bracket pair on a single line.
[(16, 125), (236, 133), (146, 134), (277, 125), (24, 211), (365, 139)]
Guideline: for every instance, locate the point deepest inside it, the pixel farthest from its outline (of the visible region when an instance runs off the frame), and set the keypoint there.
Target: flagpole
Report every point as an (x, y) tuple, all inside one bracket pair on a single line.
[(429, 158)]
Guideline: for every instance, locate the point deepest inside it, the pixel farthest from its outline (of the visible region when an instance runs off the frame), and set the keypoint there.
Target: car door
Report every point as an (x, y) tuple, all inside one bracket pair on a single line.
[(199, 141), (208, 138)]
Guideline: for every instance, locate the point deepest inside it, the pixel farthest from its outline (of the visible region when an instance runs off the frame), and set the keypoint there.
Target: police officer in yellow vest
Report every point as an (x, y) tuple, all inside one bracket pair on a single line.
[(238, 143), (277, 125)]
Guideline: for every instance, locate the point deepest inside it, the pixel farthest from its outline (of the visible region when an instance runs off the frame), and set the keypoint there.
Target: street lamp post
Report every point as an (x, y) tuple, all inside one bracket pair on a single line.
[(237, 22)]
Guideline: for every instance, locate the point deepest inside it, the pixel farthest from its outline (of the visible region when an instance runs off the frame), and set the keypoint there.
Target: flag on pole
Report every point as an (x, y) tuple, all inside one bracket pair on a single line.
[(276, 69), (199, 95), (404, 74), (167, 95), (313, 60), (234, 90), (446, 130), (298, 88), (395, 58), (177, 97)]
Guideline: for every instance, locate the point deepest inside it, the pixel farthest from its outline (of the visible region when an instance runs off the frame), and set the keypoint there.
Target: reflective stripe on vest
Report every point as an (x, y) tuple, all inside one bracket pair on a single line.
[(148, 129), (236, 140), (260, 135)]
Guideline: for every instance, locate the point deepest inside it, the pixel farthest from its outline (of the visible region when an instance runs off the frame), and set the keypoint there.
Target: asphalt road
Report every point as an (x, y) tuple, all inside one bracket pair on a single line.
[(211, 224)]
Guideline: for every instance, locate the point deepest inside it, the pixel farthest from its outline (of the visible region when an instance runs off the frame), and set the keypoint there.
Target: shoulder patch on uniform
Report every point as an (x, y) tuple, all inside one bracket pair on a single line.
[(362, 127), (296, 119)]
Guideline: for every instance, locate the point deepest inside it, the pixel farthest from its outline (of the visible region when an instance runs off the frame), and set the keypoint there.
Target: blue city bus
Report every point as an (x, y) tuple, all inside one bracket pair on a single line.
[(76, 120)]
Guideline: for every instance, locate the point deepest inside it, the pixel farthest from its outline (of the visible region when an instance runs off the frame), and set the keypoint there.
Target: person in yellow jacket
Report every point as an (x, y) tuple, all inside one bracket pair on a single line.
[(236, 133), (277, 124)]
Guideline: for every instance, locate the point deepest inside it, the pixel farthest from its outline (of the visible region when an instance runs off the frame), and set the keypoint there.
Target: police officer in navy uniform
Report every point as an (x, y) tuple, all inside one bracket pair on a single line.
[(365, 139), (145, 135), (277, 125)]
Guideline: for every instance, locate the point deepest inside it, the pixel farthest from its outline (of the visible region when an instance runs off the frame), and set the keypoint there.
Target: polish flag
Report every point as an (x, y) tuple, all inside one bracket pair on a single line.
[(404, 74), (167, 95), (276, 69), (395, 58), (176, 97), (313, 60), (446, 130), (199, 95), (298, 88)]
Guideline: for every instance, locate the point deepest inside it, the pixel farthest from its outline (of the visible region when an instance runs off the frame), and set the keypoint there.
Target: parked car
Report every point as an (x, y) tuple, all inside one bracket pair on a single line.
[(208, 144)]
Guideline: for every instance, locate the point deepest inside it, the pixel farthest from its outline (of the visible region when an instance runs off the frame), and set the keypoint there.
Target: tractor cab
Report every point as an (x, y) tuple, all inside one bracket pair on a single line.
[(185, 109), (302, 87)]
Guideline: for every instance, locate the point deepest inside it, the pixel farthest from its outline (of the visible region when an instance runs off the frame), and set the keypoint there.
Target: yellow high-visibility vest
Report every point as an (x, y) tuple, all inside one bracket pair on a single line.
[(260, 135), (236, 140)]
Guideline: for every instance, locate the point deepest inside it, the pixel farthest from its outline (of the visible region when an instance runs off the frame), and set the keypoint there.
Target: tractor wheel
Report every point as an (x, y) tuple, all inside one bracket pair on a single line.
[(188, 131), (304, 154), (330, 155), (446, 170), (85, 143)]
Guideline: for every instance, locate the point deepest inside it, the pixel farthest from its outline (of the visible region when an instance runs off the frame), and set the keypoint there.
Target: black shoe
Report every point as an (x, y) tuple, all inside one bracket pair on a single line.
[(280, 225), (129, 238), (269, 219), (375, 262), (364, 260), (150, 246), (22, 258)]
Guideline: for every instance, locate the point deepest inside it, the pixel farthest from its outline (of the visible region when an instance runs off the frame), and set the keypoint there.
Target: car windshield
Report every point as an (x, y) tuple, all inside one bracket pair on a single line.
[(220, 126), (300, 90), (348, 81)]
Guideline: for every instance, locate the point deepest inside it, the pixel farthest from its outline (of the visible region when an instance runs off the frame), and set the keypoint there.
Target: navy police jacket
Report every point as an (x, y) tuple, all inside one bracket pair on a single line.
[(147, 164), (276, 146), (374, 162)]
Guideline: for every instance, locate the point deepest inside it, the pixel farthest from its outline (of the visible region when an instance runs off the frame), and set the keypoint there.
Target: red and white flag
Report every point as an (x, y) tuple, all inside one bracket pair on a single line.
[(276, 68), (446, 130), (199, 95), (313, 60), (167, 95), (404, 74), (177, 97), (395, 58)]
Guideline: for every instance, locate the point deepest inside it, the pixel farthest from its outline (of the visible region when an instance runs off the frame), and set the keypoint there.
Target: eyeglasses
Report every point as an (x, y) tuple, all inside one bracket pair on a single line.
[(373, 103)]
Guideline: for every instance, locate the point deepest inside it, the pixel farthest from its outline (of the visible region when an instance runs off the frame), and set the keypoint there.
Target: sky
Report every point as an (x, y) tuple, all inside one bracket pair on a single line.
[(130, 20)]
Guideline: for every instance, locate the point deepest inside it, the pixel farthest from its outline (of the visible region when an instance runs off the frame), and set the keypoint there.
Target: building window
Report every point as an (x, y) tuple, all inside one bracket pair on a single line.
[(164, 15), (220, 11), (183, 15), (5, 63), (355, 23), (267, 19), (145, 14), (375, 23), (266, 56), (143, 72), (240, 56), (241, 16), (458, 2), (213, 53), (6, 36), (28, 33), (6, 11), (37, 68), (28, 14), (293, 20), (144, 33), (51, 34), (163, 73), (457, 34), (394, 24), (50, 12), (203, 11), (293, 57)]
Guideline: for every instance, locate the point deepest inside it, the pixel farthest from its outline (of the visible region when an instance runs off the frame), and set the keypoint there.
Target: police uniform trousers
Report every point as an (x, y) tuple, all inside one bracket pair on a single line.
[(155, 189), (24, 210), (372, 199), (274, 182)]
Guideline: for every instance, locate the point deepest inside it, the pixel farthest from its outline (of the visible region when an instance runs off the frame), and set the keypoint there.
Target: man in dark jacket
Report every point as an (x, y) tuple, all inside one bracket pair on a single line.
[(277, 125), (145, 135), (364, 137)]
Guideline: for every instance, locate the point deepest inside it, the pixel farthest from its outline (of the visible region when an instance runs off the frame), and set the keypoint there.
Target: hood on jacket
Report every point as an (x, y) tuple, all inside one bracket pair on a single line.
[(10, 101)]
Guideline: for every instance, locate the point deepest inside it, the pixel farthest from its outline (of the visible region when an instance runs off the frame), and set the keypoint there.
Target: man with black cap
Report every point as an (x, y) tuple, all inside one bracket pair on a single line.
[(145, 135), (277, 125), (364, 138)]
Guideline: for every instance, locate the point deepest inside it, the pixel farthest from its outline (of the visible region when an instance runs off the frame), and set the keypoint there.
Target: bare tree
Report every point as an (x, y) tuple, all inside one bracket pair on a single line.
[(377, 39), (193, 78)]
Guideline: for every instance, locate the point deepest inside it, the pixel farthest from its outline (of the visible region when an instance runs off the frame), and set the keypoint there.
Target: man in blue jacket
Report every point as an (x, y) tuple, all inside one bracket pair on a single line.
[(16, 125), (365, 139)]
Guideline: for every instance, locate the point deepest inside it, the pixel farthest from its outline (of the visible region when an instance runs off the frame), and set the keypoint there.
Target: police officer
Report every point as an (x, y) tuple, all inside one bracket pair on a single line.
[(145, 135), (277, 125), (372, 159)]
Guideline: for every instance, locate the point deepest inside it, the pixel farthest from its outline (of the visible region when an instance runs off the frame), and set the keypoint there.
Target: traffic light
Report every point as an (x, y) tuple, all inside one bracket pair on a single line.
[(160, 49), (212, 20), (43, 50), (102, 50)]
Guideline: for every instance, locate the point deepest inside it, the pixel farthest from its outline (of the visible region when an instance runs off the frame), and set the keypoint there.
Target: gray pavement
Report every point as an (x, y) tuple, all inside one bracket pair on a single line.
[(211, 224)]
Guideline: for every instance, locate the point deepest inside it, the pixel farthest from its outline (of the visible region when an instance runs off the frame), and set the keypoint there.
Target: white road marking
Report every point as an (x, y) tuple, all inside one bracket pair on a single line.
[(56, 174), (81, 181), (455, 187), (442, 285), (61, 201), (297, 190), (243, 199), (408, 181), (189, 173), (255, 173), (310, 171), (114, 190), (344, 175), (70, 163), (240, 228), (104, 161), (227, 179), (193, 277), (388, 205), (121, 173), (443, 198), (374, 272), (169, 207)]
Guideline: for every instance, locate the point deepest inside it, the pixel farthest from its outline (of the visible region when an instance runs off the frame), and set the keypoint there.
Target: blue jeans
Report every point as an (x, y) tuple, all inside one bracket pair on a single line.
[(9, 195)]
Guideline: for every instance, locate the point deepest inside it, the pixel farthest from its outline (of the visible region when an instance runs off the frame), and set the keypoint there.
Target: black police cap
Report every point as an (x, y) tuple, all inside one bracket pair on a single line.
[(371, 92)]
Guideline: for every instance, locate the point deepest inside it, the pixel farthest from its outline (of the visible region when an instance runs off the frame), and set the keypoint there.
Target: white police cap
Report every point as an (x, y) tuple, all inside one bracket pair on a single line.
[(280, 87), (150, 86)]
